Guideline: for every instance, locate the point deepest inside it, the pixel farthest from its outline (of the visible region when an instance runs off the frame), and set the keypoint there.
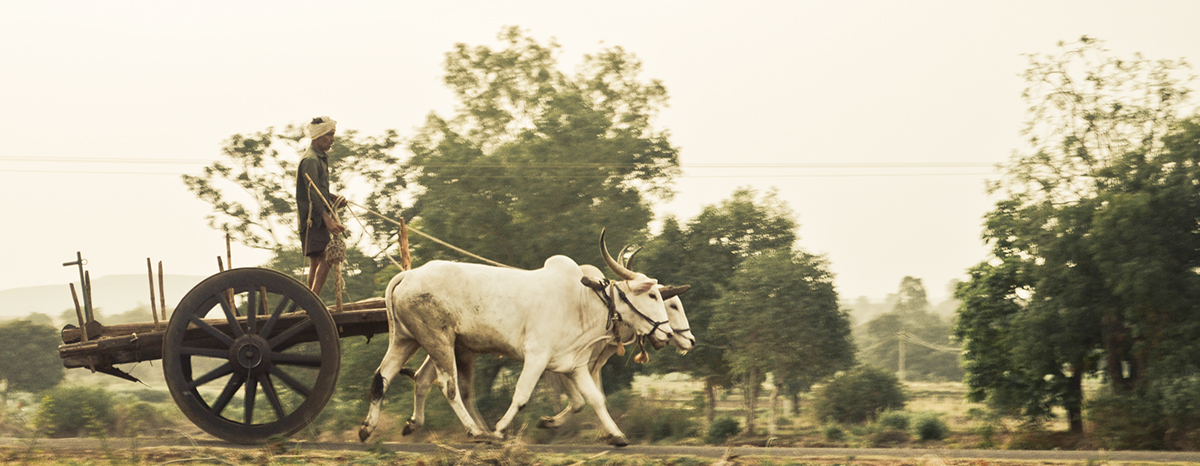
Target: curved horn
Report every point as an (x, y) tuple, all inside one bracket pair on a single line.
[(629, 261), (622, 272)]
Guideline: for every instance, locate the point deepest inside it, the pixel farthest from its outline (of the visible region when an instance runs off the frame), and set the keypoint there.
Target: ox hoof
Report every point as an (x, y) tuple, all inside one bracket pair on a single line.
[(410, 427), (364, 432), (617, 440), (547, 422)]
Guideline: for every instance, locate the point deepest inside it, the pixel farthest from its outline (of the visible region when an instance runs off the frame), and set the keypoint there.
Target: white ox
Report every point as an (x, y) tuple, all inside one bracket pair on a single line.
[(682, 339), (550, 318)]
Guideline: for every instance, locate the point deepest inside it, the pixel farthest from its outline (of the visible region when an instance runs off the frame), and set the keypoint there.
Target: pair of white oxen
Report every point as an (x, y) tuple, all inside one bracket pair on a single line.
[(543, 317)]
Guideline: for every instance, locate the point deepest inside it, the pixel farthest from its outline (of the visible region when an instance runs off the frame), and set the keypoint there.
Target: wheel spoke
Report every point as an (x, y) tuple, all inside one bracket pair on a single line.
[(219, 335), (292, 359), (206, 352), (222, 371), (291, 382), (251, 308), (231, 388), (272, 396), (285, 302), (291, 332), (230, 314), (251, 392)]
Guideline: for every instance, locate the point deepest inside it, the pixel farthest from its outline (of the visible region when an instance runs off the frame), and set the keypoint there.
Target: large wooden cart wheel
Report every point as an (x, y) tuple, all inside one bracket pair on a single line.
[(251, 355)]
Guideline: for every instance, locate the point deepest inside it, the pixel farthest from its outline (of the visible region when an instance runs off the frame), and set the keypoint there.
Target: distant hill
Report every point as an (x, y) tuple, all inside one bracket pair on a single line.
[(111, 295)]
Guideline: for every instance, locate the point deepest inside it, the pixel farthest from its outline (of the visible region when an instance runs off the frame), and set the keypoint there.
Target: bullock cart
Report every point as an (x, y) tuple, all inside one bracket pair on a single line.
[(249, 354)]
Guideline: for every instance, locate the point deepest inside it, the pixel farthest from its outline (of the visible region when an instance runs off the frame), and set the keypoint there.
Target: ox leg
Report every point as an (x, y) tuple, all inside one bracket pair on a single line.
[(444, 360), (535, 364), (398, 353), (423, 381), (575, 403), (591, 392), (466, 385)]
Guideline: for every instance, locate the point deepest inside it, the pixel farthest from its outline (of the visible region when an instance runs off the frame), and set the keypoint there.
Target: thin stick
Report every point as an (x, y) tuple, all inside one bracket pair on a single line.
[(153, 306), (228, 252), (162, 297), (79, 313), (405, 258)]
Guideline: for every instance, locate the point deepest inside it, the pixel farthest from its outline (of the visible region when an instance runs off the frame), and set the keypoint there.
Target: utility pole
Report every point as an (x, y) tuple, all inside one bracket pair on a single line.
[(900, 338)]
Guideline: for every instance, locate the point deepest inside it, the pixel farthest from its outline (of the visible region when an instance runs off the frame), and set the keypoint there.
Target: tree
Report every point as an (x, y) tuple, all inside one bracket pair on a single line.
[(29, 359), (1094, 217), (780, 315), (253, 191), (536, 162), (705, 253), (929, 355)]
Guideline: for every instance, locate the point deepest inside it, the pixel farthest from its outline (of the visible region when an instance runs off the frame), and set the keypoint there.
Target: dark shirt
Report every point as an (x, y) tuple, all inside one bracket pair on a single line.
[(310, 205)]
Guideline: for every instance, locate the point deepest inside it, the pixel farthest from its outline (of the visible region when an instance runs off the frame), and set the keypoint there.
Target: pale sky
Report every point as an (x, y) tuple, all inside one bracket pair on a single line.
[(920, 97)]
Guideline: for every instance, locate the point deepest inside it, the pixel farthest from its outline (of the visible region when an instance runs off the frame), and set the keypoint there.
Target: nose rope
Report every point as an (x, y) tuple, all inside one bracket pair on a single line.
[(611, 303), (625, 299)]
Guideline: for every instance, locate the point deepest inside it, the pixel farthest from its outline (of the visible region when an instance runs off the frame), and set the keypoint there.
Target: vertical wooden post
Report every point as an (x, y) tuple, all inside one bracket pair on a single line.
[(79, 313), (87, 297), (153, 306), (405, 258), (162, 297)]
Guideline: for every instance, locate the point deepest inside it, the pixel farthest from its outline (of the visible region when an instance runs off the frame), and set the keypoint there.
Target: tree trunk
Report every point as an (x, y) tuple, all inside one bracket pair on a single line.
[(772, 420), (795, 404), (1115, 354), (1073, 401), (751, 401), (710, 396)]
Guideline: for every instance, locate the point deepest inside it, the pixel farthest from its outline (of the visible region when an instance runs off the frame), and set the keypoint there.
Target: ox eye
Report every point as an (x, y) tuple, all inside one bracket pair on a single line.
[(674, 306)]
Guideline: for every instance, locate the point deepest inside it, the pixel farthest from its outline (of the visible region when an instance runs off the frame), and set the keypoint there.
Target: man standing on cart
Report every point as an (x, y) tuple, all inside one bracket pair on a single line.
[(318, 223)]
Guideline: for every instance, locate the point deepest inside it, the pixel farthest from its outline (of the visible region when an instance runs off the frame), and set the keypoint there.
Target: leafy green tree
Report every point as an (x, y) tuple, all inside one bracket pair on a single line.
[(911, 315), (1095, 242), (779, 313), (705, 253), (29, 359), (536, 162)]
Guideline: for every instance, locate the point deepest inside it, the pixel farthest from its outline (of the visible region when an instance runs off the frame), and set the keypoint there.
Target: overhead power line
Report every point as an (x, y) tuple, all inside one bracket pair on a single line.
[(691, 170)]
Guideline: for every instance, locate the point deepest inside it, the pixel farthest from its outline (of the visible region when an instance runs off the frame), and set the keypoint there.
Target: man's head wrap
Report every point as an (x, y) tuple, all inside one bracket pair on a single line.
[(320, 126)]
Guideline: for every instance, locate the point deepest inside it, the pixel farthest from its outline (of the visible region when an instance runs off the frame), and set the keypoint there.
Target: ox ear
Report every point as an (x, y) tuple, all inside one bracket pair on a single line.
[(642, 286), (593, 283), (669, 292)]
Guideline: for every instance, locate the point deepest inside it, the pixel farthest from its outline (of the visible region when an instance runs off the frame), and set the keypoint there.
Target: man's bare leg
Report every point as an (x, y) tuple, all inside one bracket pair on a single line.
[(318, 270)]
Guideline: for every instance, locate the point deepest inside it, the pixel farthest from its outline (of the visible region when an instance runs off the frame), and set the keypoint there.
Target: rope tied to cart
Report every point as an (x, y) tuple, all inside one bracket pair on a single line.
[(335, 251)]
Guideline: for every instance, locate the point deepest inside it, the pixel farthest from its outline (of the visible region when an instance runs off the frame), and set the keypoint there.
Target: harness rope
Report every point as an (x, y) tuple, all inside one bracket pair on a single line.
[(609, 301)]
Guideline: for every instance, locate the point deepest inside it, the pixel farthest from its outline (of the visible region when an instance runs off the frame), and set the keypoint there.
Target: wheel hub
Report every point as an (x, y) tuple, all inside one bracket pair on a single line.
[(250, 353)]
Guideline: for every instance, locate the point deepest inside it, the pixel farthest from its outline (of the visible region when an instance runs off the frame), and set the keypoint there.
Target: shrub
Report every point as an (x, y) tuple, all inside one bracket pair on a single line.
[(930, 426), (834, 432), (722, 429), (859, 395), (897, 420), (1163, 414), (138, 418), (68, 411)]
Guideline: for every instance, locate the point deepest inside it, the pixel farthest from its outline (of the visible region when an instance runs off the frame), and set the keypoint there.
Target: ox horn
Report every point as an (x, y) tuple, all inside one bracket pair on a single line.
[(621, 271), (629, 261)]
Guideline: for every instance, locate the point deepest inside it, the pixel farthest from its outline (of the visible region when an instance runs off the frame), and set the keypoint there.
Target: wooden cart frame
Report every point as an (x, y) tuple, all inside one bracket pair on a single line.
[(249, 354)]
